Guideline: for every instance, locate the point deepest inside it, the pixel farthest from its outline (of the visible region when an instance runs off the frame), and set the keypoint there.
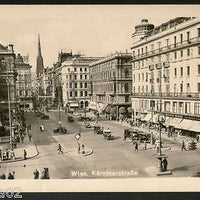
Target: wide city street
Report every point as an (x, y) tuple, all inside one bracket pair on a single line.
[(108, 159)]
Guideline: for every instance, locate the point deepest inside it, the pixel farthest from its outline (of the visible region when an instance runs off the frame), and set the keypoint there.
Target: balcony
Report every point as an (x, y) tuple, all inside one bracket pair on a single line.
[(168, 95), (165, 49)]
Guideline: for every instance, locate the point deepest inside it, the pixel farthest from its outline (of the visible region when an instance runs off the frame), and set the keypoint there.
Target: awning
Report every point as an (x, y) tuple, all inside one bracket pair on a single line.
[(147, 118), (103, 107), (155, 118), (185, 124), (173, 121), (195, 126), (73, 104), (143, 115), (140, 116)]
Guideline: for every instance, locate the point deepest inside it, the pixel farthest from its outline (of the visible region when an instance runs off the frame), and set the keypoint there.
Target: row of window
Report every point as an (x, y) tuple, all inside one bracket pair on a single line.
[(75, 93), (182, 37), (75, 77), (75, 85), (187, 71), (177, 107), (80, 69)]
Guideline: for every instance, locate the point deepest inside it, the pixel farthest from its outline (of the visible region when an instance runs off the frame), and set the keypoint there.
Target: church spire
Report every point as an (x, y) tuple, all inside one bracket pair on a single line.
[(40, 66)]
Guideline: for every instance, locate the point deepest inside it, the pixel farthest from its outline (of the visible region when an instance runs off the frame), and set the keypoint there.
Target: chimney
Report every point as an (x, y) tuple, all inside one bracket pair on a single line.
[(10, 47)]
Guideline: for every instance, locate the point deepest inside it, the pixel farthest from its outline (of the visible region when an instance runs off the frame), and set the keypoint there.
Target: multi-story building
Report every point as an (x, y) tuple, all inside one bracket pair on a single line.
[(166, 72), (23, 83), (7, 86), (73, 80), (111, 81)]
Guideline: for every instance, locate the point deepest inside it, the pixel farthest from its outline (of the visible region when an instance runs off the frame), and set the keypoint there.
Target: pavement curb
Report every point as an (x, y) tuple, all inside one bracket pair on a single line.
[(22, 159)]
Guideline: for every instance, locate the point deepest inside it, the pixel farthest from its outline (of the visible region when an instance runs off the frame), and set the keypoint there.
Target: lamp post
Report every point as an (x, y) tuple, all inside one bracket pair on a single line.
[(9, 112), (161, 119)]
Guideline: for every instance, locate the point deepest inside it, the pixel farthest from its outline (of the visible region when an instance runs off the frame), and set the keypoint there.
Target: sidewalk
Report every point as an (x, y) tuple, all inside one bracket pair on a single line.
[(29, 146), (177, 139)]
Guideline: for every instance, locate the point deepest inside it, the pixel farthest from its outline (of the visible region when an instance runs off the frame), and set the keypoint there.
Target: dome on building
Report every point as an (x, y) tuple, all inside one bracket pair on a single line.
[(144, 26)]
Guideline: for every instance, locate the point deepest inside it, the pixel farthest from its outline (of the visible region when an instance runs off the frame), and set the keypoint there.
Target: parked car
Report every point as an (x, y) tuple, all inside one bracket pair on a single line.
[(43, 116), (107, 134), (70, 119), (87, 125), (61, 130), (85, 119)]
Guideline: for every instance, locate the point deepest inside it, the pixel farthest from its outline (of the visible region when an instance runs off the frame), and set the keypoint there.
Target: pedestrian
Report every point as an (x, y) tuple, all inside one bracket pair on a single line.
[(30, 137), (164, 164), (25, 154), (36, 174), (145, 145), (3, 176), (79, 147), (136, 146), (60, 149), (11, 175), (183, 146), (83, 149), (197, 138)]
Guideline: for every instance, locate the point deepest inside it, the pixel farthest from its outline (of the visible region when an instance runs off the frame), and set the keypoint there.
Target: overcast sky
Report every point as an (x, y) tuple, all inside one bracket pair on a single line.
[(94, 30)]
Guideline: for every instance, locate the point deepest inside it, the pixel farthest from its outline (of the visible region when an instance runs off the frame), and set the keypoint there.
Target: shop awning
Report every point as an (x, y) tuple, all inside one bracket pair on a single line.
[(155, 118), (185, 124), (147, 118), (173, 121), (195, 126)]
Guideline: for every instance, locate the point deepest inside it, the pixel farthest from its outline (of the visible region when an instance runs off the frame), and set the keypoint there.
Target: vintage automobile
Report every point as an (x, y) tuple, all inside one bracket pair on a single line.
[(107, 134), (98, 129), (87, 125), (60, 130), (131, 134), (70, 119), (43, 116)]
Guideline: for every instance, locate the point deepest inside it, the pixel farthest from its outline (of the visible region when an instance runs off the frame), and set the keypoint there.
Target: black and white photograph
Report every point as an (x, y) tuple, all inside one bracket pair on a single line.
[(100, 92)]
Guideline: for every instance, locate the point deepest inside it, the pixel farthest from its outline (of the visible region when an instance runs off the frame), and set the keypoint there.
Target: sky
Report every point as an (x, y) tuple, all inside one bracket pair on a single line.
[(92, 30)]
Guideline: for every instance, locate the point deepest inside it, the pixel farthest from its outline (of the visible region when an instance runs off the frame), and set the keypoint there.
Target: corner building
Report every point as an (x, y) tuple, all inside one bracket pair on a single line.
[(111, 82), (166, 65)]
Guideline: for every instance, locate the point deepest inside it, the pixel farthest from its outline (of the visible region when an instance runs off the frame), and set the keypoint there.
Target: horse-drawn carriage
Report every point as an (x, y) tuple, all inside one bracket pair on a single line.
[(98, 129)]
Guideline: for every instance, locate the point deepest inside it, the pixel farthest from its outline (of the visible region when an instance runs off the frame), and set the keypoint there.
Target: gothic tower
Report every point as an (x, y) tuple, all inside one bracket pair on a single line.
[(40, 66)]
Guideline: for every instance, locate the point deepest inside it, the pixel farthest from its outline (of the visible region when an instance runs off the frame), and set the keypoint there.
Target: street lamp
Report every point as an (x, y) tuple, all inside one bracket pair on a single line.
[(9, 112), (161, 120)]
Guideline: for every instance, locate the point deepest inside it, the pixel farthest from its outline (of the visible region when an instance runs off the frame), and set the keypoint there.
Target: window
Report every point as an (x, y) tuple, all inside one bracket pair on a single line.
[(188, 52), (174, 41), (75, 69), (138, 52), (181, 87), (80, 69), (70, 85), (80, 76), (175, 72), (181, 37), (66, 76), (198, 87), (81, 93), (174, 107), (76, 94), (198, 69), (138, 77), (175, 55), (85, 93), (167, 42), (187, 107), (180, 108), (81, 85), (142, 76), (68, 69), (196, 108), (146, 49), (181, 53), (85, 85), (181, 71), (167, 106), (75, 77), (188, 88), (75, 85), (85, 76), (188, 70), (85, 69), (70, 94), (198, 32), (199, 50), (188, 36), (70, 77)]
